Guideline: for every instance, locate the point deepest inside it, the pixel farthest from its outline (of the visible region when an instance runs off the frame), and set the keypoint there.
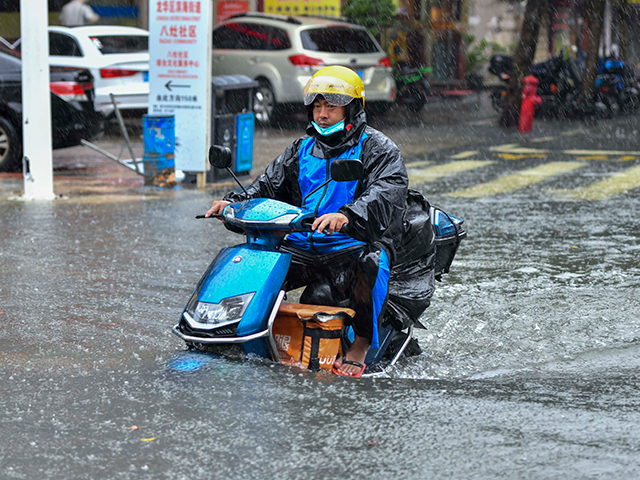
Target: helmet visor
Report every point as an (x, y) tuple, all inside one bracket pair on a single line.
[(335, 99), (334, 90)]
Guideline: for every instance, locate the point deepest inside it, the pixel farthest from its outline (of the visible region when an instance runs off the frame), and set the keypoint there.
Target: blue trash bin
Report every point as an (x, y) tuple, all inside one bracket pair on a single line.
[(159, 135), (244, 147)]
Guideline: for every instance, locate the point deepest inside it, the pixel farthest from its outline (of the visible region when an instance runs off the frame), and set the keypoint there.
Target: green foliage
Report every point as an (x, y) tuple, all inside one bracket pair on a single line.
[(375, 15), (481, 52)]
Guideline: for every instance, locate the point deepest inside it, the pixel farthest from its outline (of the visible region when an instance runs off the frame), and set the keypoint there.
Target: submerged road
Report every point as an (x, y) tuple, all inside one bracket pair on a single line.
[(531, 353)]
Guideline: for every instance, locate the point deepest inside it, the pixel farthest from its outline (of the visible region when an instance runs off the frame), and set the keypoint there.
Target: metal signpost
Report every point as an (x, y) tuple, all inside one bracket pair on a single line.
[(36, 101), (180, 76)]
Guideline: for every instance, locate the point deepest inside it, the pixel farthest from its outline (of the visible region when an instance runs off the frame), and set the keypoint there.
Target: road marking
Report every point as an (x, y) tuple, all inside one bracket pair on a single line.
[(461, 155), (438, 171), (549, 139), (514, 148), (572, 132), (487, 121), (416, 164), (516, 181), (599, 152), (593, 157), (520, 156), (543, 139), (627, 158), (502, 148), (616, 184)]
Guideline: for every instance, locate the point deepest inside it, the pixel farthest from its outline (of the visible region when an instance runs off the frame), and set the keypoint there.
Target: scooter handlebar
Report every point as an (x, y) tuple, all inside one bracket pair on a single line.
[(306, 227), (305, 224)]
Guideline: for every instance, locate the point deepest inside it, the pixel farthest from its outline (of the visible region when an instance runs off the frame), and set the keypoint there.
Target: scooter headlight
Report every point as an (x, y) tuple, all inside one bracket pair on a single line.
[(229, 213), (229, 310), (285, 219)]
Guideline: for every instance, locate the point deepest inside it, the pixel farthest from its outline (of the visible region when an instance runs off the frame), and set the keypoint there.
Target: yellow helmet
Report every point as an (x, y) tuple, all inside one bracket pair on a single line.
[(338, 85)]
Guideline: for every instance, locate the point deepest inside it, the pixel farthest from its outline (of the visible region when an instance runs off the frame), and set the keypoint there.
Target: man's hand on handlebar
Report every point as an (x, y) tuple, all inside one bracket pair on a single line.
[(216, 208), (330, 223)]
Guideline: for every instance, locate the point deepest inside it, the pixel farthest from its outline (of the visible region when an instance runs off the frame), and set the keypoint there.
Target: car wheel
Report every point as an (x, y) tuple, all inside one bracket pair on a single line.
[(10, 147), (264, 104)]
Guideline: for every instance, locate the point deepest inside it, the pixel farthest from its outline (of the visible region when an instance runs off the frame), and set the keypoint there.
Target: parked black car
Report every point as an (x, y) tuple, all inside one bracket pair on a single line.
[(73, 116)]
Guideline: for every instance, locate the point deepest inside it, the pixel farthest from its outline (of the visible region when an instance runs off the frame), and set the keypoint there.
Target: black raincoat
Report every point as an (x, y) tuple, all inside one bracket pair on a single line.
[(384, 214)]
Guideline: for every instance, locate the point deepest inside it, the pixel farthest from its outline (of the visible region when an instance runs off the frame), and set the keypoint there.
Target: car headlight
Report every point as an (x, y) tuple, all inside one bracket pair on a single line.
[(210, 315)]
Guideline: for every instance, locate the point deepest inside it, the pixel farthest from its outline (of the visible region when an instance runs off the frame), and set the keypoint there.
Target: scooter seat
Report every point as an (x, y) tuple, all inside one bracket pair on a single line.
[(306, 312)]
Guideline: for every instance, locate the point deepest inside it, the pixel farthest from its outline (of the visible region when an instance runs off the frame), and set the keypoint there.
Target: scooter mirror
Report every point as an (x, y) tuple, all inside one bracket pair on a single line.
[(346, 169), (219, 157)]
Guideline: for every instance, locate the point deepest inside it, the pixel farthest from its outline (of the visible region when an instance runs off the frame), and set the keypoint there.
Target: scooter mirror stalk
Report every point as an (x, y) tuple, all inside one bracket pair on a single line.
[(220, 157)]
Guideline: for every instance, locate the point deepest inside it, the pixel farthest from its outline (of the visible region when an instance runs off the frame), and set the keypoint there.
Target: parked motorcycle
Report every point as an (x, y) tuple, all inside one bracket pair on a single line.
[(617, 87), (413, 89), (500, 66), (238, 305), (559, 85)]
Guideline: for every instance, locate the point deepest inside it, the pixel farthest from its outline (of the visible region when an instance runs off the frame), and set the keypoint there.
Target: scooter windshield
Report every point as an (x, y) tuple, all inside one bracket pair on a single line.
[(265, 213)]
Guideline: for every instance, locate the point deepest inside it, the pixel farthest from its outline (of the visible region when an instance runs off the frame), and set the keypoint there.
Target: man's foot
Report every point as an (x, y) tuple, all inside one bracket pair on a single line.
[(356, 353)]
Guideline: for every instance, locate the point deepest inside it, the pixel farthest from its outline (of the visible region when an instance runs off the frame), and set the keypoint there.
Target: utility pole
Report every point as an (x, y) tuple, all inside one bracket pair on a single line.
[(36, 101)]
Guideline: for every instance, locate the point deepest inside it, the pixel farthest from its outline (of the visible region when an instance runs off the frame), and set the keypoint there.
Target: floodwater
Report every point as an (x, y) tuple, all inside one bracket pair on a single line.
[(529, 371)]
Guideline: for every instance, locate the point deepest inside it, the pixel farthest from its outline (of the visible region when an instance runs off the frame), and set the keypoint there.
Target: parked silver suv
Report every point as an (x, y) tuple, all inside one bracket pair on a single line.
[(282, 53)]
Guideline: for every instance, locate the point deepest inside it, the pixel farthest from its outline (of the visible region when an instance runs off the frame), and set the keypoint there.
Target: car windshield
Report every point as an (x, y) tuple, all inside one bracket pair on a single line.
[(113, 44), (338, 40)]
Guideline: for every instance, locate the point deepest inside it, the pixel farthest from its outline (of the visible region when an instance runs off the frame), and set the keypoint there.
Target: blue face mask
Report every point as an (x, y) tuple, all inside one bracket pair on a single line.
[(329, 130)]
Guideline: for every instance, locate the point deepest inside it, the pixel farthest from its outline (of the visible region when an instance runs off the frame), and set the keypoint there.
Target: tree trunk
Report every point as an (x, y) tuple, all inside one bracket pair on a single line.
[(522, 60), (595, 19)]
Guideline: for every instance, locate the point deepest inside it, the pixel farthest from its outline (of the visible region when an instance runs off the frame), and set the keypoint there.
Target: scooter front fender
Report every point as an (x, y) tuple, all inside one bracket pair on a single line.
[(242, 269)]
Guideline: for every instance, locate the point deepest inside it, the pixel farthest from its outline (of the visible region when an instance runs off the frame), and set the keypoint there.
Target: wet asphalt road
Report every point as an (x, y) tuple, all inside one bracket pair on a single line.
[(531, 352)]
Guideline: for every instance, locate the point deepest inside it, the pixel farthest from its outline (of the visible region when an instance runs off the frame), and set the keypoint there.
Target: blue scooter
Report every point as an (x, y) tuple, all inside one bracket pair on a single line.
[(238, 307)]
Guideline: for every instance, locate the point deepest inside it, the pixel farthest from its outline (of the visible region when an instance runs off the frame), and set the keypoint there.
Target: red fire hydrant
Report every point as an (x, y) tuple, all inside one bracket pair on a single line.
[(529, 103)]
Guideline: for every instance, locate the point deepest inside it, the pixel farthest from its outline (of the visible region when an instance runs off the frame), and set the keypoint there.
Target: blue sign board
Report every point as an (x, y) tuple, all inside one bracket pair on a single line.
[(244, 147)]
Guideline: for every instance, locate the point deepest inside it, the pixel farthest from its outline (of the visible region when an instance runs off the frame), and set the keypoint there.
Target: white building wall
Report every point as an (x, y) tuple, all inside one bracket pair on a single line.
[(496, 21)]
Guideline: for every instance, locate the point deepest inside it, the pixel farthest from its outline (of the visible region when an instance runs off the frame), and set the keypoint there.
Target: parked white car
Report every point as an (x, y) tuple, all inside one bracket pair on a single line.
[(282, 53), (117, 57)]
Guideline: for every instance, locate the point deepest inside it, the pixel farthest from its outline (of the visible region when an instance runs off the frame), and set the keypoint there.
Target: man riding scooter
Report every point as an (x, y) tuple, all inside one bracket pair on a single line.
[(359, 224)]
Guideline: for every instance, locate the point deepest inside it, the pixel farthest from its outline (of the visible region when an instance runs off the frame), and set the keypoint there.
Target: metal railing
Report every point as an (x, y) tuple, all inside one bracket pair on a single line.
[(131, 164)]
